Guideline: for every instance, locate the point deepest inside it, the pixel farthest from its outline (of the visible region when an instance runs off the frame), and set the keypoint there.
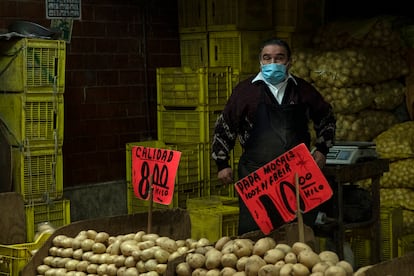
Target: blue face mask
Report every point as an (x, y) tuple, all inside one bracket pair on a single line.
[(274, 73)]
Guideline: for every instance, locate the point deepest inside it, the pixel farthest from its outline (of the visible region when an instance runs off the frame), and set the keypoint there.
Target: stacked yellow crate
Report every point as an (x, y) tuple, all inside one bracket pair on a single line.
[(32, 75), (188, 101)]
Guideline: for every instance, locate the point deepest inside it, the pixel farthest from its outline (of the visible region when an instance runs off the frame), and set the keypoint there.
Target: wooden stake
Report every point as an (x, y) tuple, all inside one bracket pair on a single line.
[(299, 211), (151, 196)]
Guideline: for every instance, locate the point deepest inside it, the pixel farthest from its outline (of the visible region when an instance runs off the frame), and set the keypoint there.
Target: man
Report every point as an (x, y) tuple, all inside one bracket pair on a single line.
[(269, 113)]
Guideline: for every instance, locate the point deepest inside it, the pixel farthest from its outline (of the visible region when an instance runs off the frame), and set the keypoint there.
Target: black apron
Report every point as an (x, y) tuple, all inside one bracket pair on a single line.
[(277, 128)]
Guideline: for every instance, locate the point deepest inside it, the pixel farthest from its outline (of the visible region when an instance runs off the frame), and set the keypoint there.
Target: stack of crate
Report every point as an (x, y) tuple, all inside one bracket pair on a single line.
[(223, 33), (32, 76)]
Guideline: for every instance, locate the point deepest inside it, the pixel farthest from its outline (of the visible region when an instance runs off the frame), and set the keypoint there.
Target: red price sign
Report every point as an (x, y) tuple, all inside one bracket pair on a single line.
[(156, 167), (274, 183)]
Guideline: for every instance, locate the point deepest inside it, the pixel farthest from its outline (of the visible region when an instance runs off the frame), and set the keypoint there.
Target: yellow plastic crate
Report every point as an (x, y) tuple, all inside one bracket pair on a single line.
[(33, 119), (391, 229), (32, 65), (214, 223), (178, 126), (194, 50), (187, 87), (14, 257), (38, 173), (212, 201), (405, 244), (57, 213), (237, 49), (238, 15), (299, 15), (192, 16)]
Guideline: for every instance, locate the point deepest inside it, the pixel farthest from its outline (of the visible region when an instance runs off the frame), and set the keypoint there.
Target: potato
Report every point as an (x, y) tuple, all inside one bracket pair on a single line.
[(298, 247), (213, 258), (41, 269), (268, 270), (253, 265), (241, 263), (274, 255), (150, 237), (111, 270), (199, 272), (221, 242), (70, 265), (203, 242), (291, 258), (195, 260), (82, 266), (213, 272), (128, 246), (161, 255), (286, 270), (183, 269), (102, 237), (168, 244), (98, 248), (229, 260), (347, 266), (151, 265), (300, 270), (227, 271), (335, 271), (87, 244), (308, 258), (91, 234), (321, 266), (242, 247), (262, 245), (284, 247), (329, 256), (131, 271)]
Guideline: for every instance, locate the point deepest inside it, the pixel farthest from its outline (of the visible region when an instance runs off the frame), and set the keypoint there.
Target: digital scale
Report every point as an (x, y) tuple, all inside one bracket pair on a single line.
[(351, 152)]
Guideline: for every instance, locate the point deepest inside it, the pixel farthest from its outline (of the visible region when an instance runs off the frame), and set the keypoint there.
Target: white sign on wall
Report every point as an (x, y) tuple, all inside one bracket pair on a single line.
[(58, 9)]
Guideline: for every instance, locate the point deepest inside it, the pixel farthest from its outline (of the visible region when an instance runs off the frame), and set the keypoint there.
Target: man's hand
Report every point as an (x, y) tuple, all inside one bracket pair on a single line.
[(226, 175), (320, 159)]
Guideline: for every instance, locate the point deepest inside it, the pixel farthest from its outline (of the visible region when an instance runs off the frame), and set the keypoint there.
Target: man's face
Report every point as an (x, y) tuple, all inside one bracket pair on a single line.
[(274, 54)]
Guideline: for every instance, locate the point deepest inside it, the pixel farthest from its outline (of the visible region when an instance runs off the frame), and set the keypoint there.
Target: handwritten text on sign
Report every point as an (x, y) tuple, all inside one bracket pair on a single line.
[(275, 183), (158, 166)]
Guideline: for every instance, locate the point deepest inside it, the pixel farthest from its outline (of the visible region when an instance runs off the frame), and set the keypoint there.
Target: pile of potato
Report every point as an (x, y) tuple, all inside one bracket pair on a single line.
[(141, 253), (97, 253), (243, 256)]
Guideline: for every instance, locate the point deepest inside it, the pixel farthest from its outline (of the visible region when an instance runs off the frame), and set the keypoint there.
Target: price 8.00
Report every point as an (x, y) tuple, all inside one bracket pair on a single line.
[(158, 177)]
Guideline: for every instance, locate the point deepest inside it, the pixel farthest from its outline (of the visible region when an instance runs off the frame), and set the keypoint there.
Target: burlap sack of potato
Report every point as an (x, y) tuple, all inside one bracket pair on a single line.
[(363, 126), (397, 142)]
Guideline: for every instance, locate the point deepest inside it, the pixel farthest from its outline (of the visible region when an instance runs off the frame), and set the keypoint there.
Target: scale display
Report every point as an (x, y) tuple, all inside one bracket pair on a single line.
[(350, 152)]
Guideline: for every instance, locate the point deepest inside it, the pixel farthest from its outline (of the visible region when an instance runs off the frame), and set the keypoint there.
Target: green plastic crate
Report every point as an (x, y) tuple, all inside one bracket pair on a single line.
[(187, 87), (32, 65), (13, 258), (38, 173), (57, 213), (214, 223), (33, 119)]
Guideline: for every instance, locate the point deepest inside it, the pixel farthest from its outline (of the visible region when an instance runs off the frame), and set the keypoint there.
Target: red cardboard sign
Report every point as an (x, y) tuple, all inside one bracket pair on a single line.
[(156, 165), (275, 183)]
